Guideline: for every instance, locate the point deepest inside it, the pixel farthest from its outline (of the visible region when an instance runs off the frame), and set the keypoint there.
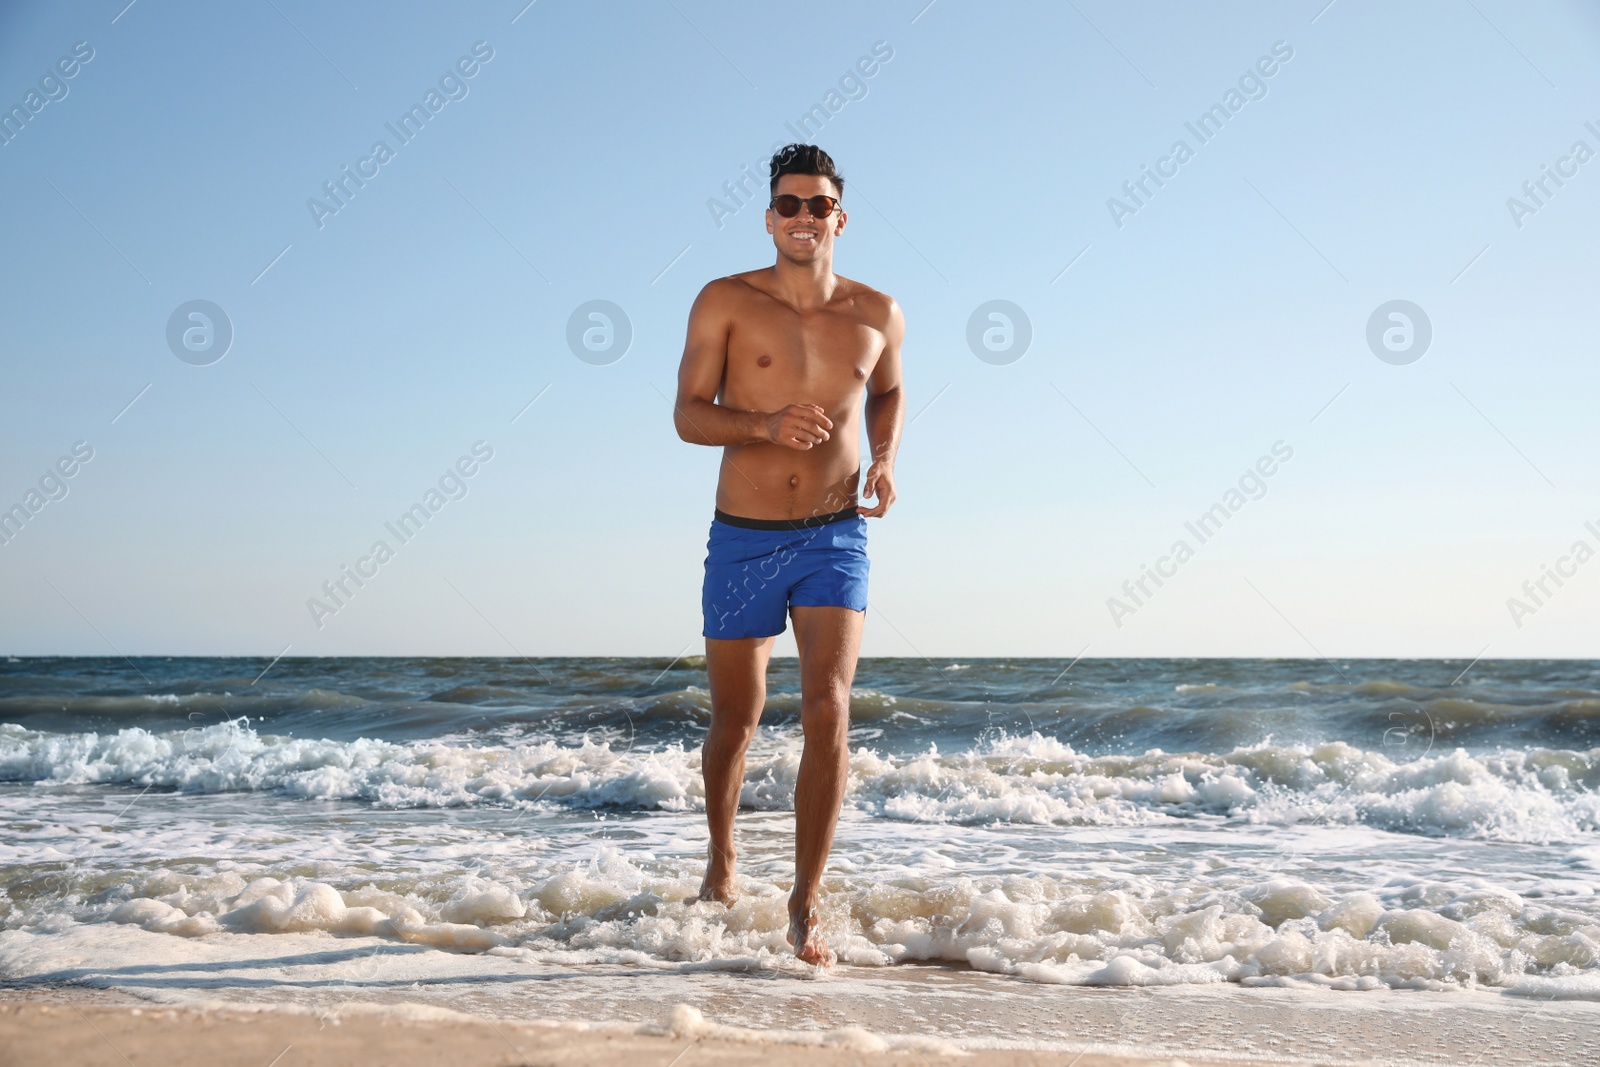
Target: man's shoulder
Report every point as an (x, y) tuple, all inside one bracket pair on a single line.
[(740, 284), (729, 290), (879, 308)]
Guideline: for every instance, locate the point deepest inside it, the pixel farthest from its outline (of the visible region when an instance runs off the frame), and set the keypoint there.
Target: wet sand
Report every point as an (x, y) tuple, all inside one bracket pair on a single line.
[(89, 1029), (59, 1025)]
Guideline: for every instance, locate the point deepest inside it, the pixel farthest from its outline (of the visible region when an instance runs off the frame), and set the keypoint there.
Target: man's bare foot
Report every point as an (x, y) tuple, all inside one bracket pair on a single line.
[(804, 935), (717, 886)]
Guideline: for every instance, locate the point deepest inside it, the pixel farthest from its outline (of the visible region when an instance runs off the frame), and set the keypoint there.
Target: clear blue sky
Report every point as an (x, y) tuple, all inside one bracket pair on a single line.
[(1222, 316)]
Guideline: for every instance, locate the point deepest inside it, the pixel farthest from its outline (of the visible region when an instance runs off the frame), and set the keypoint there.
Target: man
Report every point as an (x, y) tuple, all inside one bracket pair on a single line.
[(774, 371)]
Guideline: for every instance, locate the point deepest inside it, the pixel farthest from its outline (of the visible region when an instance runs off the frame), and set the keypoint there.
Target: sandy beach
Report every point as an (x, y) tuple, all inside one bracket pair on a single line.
[(88, 1029), (719, 1019)]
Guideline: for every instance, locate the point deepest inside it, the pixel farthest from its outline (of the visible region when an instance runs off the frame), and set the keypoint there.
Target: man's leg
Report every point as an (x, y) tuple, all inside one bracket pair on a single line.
[(737, 671), (829, 639)]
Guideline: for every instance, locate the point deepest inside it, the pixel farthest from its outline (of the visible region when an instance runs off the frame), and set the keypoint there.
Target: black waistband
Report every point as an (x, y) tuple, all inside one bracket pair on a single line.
[(786, 524)]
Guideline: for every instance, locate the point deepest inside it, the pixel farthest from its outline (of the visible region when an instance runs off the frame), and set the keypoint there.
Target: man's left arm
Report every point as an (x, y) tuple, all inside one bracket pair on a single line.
[(885, 416)]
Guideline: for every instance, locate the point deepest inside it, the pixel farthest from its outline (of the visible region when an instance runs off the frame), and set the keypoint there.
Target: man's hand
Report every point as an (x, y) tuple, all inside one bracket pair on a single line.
[(798, 426), (879, 483)]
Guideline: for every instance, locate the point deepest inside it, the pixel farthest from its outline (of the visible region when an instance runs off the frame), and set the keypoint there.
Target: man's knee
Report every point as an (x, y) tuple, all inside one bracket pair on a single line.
[(733, 730), (825, 717)]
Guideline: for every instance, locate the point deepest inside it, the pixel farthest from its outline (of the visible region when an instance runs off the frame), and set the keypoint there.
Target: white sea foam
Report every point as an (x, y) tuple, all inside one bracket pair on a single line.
[(1536, 796), (1030, 885), (1278, 931), (685, 1020)]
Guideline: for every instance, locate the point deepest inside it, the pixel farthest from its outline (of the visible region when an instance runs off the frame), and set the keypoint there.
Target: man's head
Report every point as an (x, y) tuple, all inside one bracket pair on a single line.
[(804, 215), (805, 159)]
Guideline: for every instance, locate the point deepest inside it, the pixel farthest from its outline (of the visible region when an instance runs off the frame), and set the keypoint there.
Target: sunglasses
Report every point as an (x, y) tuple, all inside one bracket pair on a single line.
[(788, 205)]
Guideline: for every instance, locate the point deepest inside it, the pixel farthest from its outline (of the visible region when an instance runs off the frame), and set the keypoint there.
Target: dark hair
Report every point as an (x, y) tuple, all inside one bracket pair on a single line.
[(804, 159)]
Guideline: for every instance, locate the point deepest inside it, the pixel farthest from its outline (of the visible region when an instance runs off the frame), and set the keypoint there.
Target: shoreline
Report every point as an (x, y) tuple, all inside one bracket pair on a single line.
[(300, 990), (84, 1026)]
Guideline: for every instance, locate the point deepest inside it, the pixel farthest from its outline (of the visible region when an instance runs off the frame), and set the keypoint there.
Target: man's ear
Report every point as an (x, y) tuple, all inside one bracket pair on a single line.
[(769, 220), (838, 227)]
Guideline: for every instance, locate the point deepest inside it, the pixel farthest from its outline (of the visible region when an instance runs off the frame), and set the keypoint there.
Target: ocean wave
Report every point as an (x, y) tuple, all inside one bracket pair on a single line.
[(1182, 707), (1534, 795), (1274, 931)]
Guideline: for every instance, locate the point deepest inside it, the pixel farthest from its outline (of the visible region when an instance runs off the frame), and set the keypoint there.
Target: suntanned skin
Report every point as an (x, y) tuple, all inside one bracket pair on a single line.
[(781, 368)]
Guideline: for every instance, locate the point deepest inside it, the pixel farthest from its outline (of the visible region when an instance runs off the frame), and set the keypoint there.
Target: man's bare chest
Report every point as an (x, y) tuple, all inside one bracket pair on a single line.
[(817, 351)]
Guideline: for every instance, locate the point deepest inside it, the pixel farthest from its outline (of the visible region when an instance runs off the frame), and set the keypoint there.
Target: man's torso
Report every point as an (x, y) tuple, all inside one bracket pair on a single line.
[(779, 356)]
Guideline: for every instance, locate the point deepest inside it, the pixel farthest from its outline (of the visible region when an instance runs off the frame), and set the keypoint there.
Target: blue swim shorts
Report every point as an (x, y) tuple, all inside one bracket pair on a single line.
[(756, 569)]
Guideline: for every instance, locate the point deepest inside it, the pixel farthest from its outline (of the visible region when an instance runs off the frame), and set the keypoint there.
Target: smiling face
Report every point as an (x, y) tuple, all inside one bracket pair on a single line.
[(804, 239)]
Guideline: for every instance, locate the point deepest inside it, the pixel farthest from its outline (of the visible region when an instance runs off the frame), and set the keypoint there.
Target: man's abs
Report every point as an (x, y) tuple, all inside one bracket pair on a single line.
[(767, 481)]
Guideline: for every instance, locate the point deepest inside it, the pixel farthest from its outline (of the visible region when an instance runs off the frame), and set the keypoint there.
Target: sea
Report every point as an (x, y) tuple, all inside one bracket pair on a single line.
[(1034, 852)]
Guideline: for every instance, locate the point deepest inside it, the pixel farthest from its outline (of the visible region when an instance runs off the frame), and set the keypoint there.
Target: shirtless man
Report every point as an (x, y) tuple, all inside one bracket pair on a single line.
[(774, 371)]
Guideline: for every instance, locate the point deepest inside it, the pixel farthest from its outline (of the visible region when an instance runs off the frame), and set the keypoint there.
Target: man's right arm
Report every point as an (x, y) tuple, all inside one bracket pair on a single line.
[(699, 419)]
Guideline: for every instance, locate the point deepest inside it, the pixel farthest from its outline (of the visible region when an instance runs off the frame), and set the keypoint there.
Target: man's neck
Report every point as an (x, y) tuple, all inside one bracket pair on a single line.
[(805, 285)]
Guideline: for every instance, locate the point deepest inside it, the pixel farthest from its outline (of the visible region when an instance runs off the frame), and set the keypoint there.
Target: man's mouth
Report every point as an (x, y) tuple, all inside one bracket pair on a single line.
[(803, 235)]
